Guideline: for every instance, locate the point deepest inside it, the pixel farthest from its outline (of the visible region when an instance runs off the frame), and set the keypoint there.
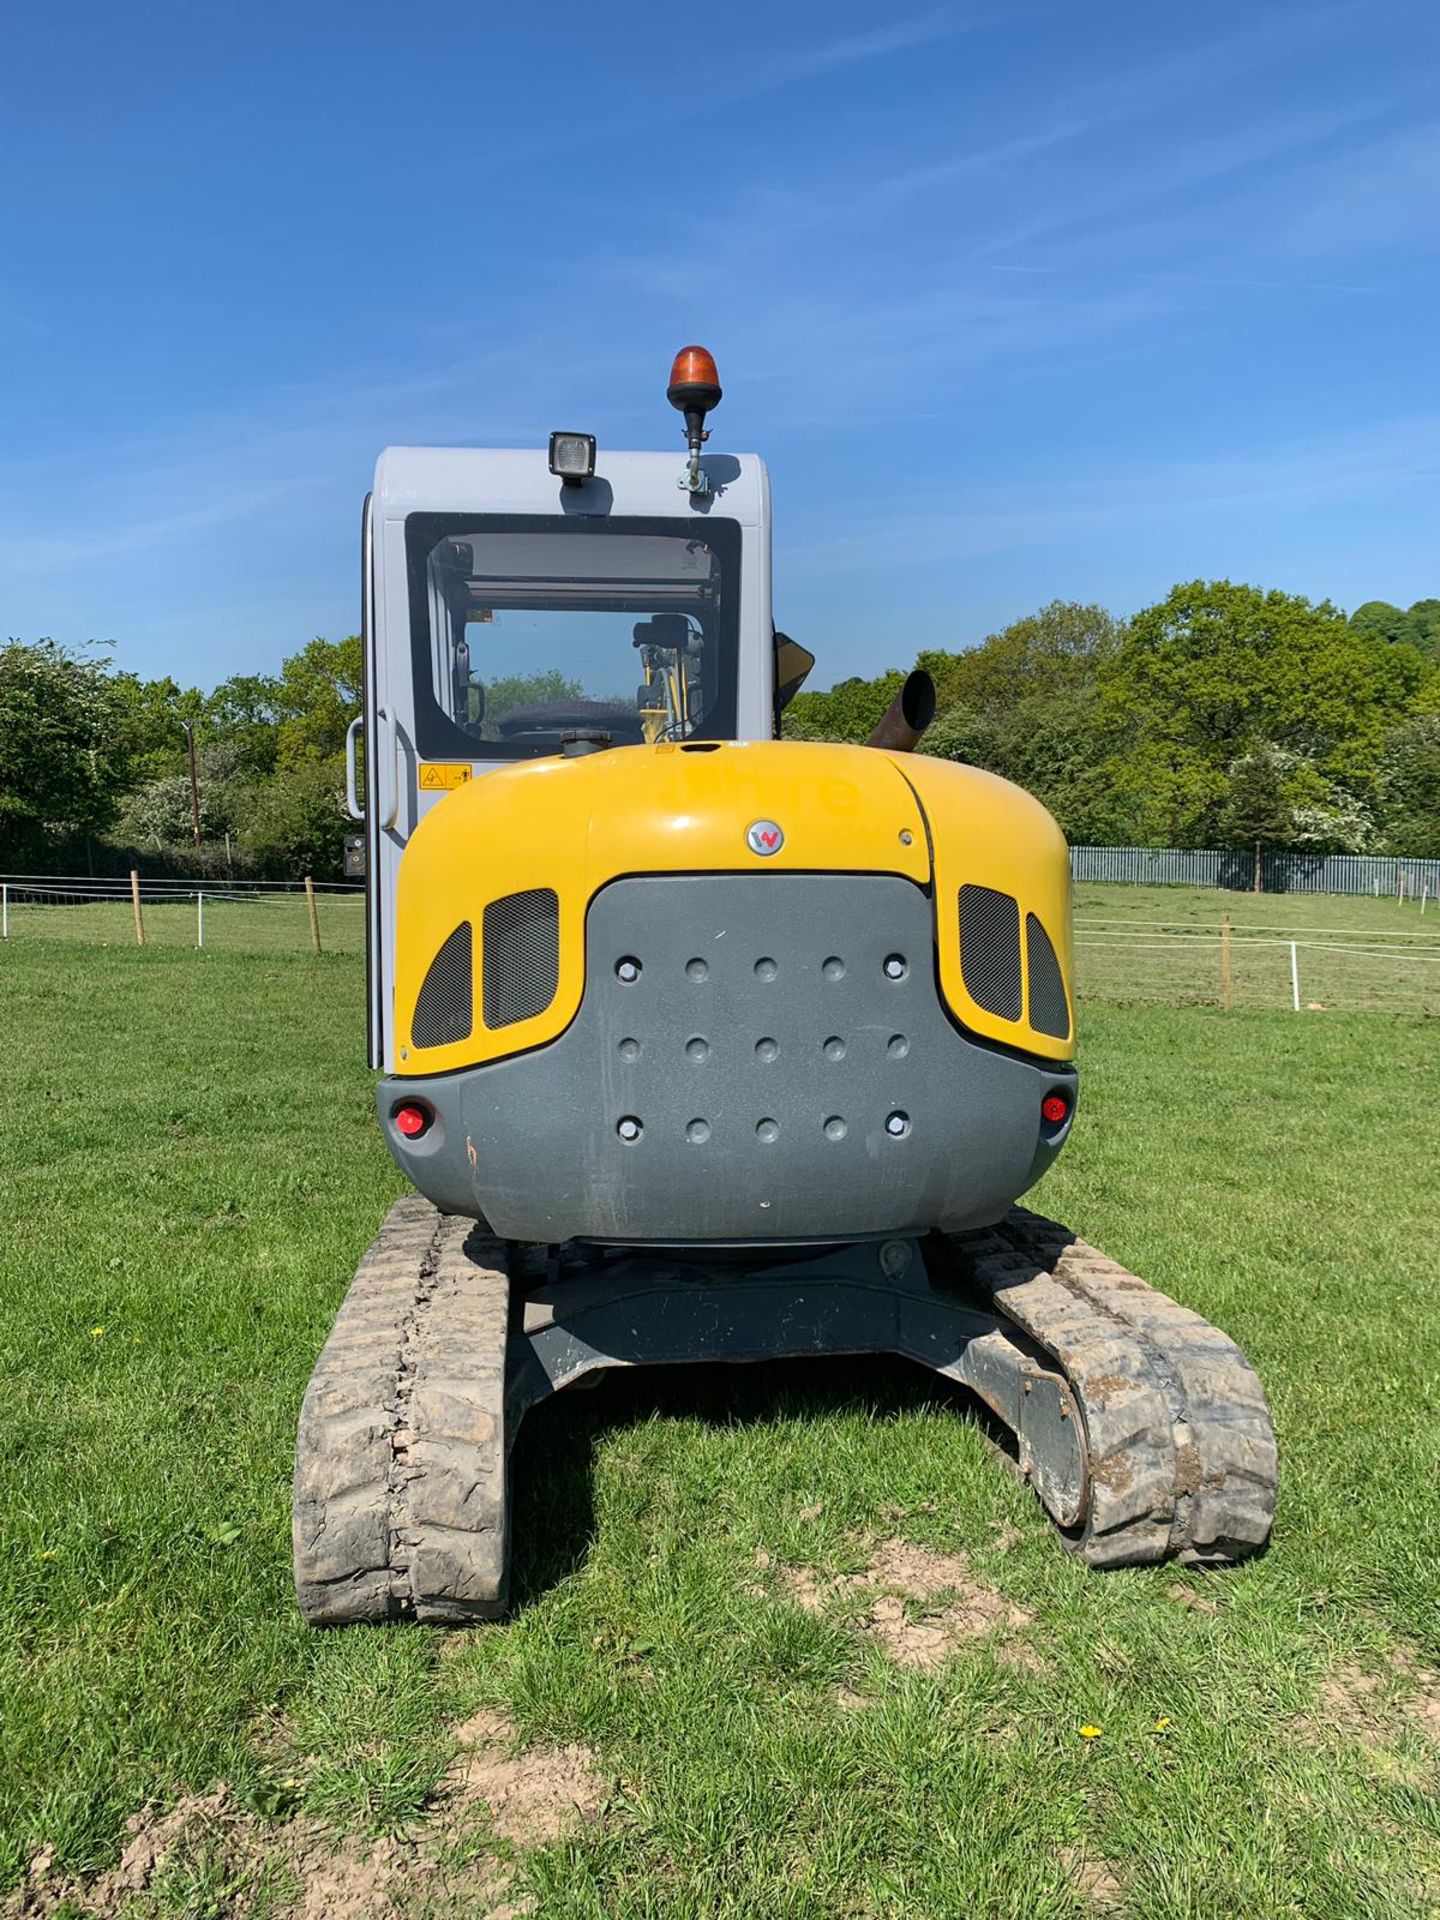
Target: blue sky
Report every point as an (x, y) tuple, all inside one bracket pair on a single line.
[(1020, 301)]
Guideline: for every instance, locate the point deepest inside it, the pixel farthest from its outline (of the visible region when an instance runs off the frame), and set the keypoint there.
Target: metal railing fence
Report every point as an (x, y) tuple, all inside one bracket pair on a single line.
[(1278, 872)]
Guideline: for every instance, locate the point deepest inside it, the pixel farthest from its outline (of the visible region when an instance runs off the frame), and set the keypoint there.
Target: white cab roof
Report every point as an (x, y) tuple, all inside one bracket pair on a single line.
[(518, 480)]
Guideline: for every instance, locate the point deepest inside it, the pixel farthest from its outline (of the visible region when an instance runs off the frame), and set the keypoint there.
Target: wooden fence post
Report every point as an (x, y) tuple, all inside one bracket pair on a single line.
[(135, 902), (1225, 985), (314, 913), (1257, 866)]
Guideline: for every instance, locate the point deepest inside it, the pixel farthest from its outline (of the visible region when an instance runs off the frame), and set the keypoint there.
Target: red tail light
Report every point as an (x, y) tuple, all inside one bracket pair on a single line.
[(412, 1120), (1054, 1108)]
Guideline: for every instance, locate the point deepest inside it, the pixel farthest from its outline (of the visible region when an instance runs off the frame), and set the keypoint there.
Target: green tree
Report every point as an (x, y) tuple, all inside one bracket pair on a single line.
[(502, 696), (1379, 617), (1214, 671), (1409, 784), (298, 822), (1422, 627), (1057, 651), (158, 816), (152, 721), (1278, 799), (1416, 626), (62, 762), (849, 711), (315, 699), (243, 714), (1258, 807), (1025, 704)]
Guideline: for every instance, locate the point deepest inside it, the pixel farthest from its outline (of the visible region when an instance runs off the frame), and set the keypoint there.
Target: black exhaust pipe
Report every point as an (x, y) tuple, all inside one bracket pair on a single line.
[(907, 716)]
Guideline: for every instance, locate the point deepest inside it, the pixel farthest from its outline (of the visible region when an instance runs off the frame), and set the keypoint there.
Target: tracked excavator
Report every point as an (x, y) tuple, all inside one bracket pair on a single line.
[(697, 1044)]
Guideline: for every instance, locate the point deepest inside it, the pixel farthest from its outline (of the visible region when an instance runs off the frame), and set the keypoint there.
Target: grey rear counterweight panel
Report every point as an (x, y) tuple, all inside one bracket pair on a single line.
[(784, 1085)]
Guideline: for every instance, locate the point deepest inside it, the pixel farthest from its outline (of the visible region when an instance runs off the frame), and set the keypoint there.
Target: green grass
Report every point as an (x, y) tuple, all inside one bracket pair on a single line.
[(188, 1171), (1288, 913), (273, 923), (1162, 945)]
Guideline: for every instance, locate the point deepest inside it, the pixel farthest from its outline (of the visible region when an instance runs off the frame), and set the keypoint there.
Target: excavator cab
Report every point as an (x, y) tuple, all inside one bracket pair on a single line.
[(695, 1043), (508, 606)]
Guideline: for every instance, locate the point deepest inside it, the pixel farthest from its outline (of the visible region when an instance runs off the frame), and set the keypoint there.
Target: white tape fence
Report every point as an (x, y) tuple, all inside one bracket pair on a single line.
[(1300, 968), (1391, 964), (245, 917)]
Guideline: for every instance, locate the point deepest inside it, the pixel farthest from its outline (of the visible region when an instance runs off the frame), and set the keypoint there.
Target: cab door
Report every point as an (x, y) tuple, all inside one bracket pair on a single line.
[(399, 789)]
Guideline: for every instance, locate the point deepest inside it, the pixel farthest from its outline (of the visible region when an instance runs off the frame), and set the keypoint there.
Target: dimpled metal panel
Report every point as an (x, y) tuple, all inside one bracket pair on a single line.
[(773, 1063)]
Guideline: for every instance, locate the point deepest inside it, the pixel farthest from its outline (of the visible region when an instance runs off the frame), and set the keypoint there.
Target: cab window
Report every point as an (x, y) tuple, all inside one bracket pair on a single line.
[(524, 628)]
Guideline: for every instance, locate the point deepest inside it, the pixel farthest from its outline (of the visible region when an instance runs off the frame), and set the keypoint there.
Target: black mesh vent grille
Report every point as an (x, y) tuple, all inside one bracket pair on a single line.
[(1049, 1008), (522, 956), (445, 1010), (990, 950)]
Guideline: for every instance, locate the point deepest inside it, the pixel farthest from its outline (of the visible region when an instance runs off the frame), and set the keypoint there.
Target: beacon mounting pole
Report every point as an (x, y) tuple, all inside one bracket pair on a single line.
[(694, 390)]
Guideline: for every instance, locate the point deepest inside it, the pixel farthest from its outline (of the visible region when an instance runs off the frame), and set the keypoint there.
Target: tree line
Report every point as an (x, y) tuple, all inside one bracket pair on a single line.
[(94, 765), (1223, 716)]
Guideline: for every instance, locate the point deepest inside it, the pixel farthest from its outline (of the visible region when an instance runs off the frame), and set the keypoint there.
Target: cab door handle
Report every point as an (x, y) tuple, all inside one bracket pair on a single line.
[(352, 784), (387, 783)]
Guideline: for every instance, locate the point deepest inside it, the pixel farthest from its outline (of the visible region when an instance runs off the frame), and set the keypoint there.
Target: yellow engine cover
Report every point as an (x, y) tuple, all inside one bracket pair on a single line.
[(574, 825)]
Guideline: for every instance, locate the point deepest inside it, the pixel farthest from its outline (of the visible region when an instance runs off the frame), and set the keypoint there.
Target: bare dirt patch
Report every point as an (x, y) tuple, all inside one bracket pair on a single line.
[(1360, 1706), (1421, 1704), (530, 1796), (1348, 1701), (534, 1795), (1092, 1880), (207, 1820), (352, 1881), (1184, 1596), (807, 1588), (921, 1604)]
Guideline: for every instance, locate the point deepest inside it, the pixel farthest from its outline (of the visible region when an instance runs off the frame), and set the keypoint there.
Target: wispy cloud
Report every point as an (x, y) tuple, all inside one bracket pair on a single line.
[(1394, 458), (859, 49), (274, 460), (1383, 196), (974, 184), (1228, 282)]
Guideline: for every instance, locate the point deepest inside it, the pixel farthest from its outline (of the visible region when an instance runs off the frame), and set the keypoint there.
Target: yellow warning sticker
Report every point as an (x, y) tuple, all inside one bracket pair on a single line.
[(443, 776)]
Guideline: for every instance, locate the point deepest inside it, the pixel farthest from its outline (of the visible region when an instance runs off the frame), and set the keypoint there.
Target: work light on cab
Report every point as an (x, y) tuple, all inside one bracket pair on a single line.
[(572, 457)]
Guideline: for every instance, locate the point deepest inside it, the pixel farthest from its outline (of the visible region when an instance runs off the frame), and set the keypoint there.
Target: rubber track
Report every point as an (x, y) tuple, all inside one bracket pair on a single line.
[(400, 1464), (1181, 1451)]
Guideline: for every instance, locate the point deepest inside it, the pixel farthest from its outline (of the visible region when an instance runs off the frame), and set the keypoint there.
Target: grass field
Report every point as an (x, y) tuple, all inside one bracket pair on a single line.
[(277, 922), (188, 1171), (1162, 945)]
